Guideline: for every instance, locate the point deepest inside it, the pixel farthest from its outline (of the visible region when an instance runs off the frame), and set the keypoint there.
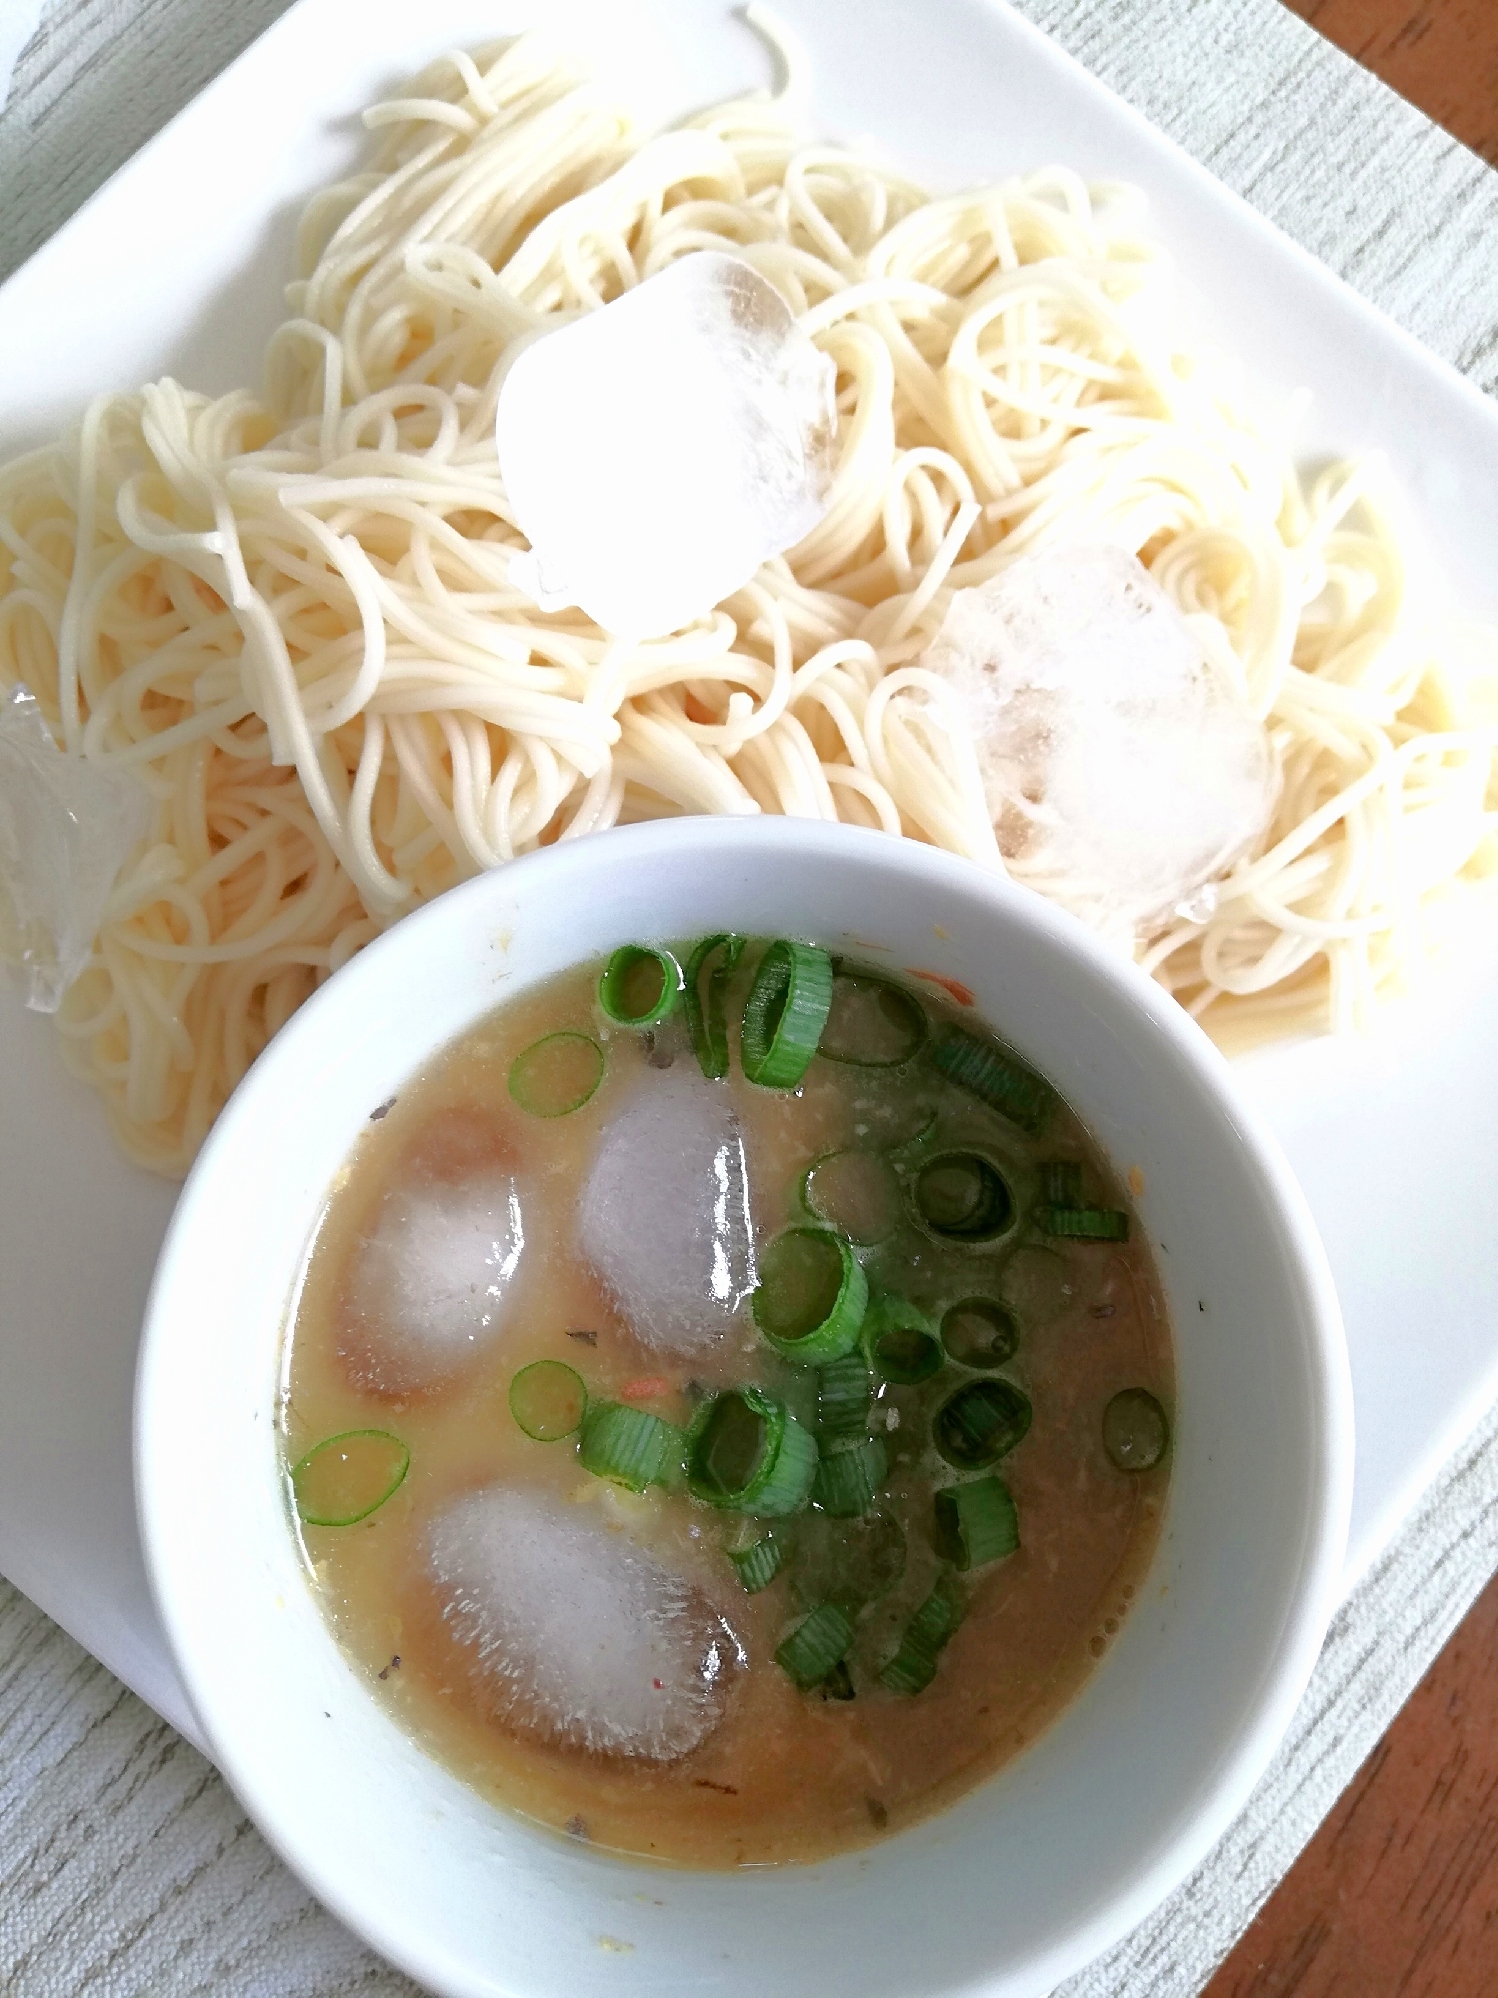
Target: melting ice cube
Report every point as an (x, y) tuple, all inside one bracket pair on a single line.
[(664, 1217), (657, 451), (574, 1633), (66, 826), (426, 1289), (1122, 767)]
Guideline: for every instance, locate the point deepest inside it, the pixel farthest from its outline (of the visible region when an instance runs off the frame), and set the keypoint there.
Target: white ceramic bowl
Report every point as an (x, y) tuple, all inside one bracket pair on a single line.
[(1044, 1865)]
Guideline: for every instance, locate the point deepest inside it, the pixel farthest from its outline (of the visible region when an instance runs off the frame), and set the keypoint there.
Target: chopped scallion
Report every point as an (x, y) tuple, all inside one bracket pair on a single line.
[(856, 1193), (843, 1392), (640, 986), (979, 1332), (747, 1453), (347, 1477), (1084, 1224), (629, 1446), (707, 1026), (785, 1013), (810, 1300), (963, 1197), (1061, 1182), (557, 1074), (758, 1564), (849, 1475), (871, 1023), (996, 1078), (901, 1341), (818, 1643), (976, 1523), (547, 1399), (913, 1666), (980, 1423)]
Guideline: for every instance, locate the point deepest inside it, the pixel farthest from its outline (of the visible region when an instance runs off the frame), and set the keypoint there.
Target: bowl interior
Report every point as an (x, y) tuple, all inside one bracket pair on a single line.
[(1062, 1851)]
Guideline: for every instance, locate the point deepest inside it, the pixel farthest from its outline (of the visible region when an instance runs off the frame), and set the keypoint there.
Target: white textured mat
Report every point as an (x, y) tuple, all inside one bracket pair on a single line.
[(126, 1869)]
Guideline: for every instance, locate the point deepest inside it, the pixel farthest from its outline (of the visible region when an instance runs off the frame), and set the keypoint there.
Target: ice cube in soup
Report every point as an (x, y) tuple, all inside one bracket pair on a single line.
[(727, 1407)]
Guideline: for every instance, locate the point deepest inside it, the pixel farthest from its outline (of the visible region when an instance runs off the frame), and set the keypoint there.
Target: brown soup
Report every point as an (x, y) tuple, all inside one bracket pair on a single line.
[(851, 1453)]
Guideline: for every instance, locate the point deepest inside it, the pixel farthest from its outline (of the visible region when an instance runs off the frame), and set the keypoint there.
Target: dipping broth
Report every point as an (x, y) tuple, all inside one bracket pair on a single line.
[(846, 1453)]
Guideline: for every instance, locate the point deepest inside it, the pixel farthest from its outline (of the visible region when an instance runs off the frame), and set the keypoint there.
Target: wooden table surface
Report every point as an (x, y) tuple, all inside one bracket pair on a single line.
[(1397, 1894)]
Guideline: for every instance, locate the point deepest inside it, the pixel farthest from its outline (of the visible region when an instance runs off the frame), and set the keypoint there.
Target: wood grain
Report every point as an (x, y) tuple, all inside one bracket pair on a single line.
[(1397, 1894), (1440, 54)]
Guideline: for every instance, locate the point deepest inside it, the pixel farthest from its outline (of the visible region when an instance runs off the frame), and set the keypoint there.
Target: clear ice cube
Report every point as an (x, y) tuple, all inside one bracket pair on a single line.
[(1123, 767), (573, 1631), (658, 450), (664, 1217), (66, 828), (427, 1288)]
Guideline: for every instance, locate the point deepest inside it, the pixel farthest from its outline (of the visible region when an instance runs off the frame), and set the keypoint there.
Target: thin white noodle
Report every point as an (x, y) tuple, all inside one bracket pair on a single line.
[(292, 615)]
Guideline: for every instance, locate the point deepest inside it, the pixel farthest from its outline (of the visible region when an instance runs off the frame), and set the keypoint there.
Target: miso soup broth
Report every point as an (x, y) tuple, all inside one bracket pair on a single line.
[(727, 1470)]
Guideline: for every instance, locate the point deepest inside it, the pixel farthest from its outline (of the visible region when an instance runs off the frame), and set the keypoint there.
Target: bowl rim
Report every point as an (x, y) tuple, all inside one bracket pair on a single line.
[(1311, 1602)]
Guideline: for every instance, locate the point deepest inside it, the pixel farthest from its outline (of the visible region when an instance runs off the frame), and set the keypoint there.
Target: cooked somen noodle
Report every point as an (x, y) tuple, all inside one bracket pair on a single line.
[(292, 615)]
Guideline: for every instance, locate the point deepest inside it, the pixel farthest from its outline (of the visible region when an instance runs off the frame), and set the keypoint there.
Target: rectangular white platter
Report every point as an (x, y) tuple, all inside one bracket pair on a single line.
[(176, 266)]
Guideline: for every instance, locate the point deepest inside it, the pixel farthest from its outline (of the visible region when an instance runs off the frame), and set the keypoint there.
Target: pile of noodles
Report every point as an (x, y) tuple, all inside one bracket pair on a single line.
[(292, 616)]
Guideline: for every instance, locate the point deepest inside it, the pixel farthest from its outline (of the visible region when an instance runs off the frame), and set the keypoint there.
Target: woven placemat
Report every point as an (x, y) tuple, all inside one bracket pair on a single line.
[(126, 1868)]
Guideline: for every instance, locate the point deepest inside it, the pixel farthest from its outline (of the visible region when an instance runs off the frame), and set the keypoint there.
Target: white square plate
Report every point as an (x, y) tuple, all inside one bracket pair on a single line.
[(176, 266)]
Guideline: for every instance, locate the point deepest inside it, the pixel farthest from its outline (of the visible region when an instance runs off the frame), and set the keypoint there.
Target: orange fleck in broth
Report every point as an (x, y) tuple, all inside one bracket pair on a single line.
[(786, 1775)]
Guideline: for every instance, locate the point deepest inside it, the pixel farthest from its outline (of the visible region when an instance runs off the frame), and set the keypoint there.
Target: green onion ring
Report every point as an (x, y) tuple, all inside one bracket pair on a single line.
[(708, 1030), (979, 1332), (1084, 1224), (994, 1077), (975, 1523), (629, 1446), (901, 1341), (810, 1300), (817, 1644), (547, 1400), (871, 1021), (612, 986), (849, 1476), (746, 1452), (913, 1666), (980, 1423), (758, 1564), (557, 1074), (785, 1013), (843, 1394), (370, 1458)]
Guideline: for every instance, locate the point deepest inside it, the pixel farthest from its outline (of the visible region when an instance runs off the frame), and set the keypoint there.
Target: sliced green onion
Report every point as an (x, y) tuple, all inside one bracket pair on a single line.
[(848, 1561), (856, 1193), (629, 1445), (1135, 1431), (980, 1423), (748, 1453), (843, 1394), (345, 1478), (871, 1022), (1061, 1183), (818, 1642), (913, 1666), (963, 1197), (979, 1332), (849, 1475), (939, 1616), (758, 1564), (1084, 1224), (975, 1523), (547, 1399), (901, 1341), (640, 986), (557, 1074), (708, 1028), (984, 1070), (810, 1300), (785, 1013), (838, 1685)]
